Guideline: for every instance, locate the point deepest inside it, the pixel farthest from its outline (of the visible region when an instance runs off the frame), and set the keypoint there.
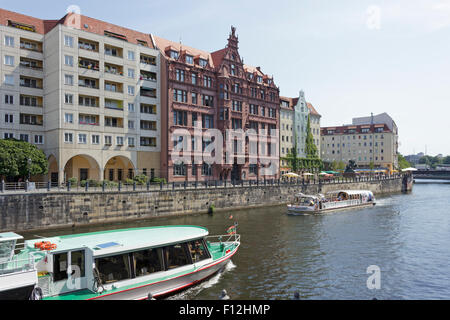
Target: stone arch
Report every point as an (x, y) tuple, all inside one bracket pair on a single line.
[(82, 167), (119, 168)]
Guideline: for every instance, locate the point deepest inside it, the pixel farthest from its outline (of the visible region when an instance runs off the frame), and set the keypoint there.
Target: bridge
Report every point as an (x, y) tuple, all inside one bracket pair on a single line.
[(431, 175)]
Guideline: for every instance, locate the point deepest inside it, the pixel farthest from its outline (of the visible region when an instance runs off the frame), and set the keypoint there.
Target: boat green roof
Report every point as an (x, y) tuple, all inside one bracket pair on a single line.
[(106, 242)]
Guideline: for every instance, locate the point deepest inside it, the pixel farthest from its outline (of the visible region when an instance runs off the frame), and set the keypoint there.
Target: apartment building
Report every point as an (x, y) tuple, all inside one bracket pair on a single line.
[(217, 91), (85, 91), (368, 140), (294, 113)]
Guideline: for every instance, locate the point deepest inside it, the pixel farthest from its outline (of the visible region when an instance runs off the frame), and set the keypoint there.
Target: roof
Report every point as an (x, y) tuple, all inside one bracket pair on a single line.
[(352, 192), (107, 242), (7, 236), (312, 110), (162, 44), (86, 24)]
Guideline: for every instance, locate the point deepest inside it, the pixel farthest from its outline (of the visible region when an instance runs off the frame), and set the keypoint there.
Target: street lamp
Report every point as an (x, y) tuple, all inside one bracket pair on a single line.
[(29, 168)]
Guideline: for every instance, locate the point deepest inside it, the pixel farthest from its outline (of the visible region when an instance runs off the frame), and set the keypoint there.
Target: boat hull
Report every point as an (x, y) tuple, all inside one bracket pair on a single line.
[(170, 286), (292, 211)]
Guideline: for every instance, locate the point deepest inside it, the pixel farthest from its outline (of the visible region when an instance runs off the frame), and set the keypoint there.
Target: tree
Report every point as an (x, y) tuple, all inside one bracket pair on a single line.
[(21, 159), (403, 163), (311, 148), (446, 160)]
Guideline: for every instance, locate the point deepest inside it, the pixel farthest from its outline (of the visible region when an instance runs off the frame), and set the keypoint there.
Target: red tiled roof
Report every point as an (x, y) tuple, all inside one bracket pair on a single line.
[(312, 109), (162, 44), (93, 25)]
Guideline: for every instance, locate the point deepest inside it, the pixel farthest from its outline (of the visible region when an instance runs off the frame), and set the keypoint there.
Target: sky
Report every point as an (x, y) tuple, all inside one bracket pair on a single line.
[(350, 57)]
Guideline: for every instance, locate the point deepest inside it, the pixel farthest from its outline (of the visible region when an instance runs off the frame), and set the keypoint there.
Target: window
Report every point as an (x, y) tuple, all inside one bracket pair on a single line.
[(207, 101), (68, 98), (180, 95), (207, 121), (203, 63), (174, 54), (68, 137), (119, 141), (207, 81), (194, 78), (68, 61), (175, 256), (147, 262), (68, 80), (9, 60), (95, 139), (131, 55), (148, 108), (9, 118), (108, 140), (131, 73), (68, 118), (23, 137), (82, 138), (180, 118), (130, 124), (253, 169), (179, 170), (237, 106), (88, 119), (60, 265), (233, 70), (179, 75), (77, 260), (194, 98), (131, 107), (7, 135), (148, 142), (207, 170), (68, 41), (9, 79), (131, 90), (9, 41), (9, 99), (131, 142), (113, 269), (39, 139), (189, 59)]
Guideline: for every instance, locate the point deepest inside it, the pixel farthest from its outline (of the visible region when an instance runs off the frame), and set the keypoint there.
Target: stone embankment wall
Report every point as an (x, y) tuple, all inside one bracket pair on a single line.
[(34, 211)]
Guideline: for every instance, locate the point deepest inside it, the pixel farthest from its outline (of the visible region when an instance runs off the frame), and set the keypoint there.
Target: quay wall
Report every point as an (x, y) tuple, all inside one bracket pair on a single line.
[(37, 211)]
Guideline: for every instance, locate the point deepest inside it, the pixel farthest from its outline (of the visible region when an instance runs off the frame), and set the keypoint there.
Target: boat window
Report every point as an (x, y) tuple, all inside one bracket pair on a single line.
[(115, 268), (60, 266), (198, 251), (77, 263), (175, 256), (147, 262)]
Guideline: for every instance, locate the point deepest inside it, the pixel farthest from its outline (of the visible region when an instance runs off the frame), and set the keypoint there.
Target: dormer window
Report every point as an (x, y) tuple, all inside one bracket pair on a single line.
[(250, 76), (173, 54), (260, 79), (202, 62), (189, 59)]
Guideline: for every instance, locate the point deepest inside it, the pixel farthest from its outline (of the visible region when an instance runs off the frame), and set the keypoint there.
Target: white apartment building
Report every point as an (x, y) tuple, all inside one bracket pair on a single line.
[(368, 140), (85, 91)]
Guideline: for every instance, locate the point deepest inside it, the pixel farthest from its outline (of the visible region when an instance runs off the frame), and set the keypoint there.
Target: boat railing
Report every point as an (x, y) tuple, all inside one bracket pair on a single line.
[(229, 240), (18, 265), (338, 204)]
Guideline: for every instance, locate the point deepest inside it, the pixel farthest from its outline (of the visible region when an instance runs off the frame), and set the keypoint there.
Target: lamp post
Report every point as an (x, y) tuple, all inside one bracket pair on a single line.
[(29, 161)]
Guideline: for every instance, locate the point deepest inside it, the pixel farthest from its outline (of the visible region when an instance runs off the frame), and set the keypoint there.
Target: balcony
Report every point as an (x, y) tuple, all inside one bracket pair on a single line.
[(88, 45), (149, 125), (30, 45), (90, 83), (32, 64), (33, 83), (113, 104), (113, 122), (148, 142), (89, 64), (148, 76), (88, 119), (31, 119), (113, 87), (148, 92), (87, 101), (31, 101), (113, 69)]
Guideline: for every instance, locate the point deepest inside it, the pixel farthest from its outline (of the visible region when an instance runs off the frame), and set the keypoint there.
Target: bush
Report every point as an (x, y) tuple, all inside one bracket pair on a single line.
[(73, 181), (141, 179), (129, 181), (159, 180), (109, 184), (92, 183)]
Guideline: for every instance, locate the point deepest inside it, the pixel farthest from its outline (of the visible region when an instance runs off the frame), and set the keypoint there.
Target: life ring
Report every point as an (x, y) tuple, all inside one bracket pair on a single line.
[(48, 246)]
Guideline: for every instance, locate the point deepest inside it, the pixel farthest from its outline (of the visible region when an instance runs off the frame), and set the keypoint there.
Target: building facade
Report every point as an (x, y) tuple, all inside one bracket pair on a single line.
[(217, 91), (367, 141), (85, 91), (294, 113)]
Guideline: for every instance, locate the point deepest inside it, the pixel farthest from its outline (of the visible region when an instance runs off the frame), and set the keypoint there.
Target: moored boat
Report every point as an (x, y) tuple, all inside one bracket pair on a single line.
[(126, 264), (336, 200)]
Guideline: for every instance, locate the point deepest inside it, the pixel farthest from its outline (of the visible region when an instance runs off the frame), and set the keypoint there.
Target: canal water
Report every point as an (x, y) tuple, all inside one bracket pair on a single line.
[(407, 236)]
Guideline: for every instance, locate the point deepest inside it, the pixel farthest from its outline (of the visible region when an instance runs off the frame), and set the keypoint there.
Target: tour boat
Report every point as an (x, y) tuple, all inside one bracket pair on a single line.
[(336, 200), (131, 264)]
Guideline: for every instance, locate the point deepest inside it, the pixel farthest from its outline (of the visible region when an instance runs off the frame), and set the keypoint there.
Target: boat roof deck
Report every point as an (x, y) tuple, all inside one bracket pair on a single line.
[(105, 242)]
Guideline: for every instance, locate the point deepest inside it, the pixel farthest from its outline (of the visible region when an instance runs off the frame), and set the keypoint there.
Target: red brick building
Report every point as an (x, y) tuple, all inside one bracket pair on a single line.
[(217, 91)]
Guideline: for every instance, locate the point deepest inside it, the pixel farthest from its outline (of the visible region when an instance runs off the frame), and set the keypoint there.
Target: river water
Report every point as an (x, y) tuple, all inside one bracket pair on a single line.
[(407, 236)]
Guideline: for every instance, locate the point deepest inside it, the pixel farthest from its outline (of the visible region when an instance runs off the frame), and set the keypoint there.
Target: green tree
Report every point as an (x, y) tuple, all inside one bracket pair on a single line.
[(403, 163), (446, 160), (311, 148), (20, 159)]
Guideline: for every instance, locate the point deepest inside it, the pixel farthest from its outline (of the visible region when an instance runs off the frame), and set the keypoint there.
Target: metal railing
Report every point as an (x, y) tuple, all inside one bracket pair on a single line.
[(179, 186), (17, 265)]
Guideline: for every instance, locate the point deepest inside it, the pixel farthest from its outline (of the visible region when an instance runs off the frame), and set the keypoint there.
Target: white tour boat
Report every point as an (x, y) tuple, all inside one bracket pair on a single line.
[(129, 264), (336, 200)]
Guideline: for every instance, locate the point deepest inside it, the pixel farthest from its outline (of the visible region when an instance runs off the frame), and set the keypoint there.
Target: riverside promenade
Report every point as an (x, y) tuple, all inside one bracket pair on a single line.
[(69, 206)]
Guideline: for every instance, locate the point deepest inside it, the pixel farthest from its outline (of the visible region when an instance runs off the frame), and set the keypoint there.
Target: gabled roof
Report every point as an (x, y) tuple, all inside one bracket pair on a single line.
[(312, 110)]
